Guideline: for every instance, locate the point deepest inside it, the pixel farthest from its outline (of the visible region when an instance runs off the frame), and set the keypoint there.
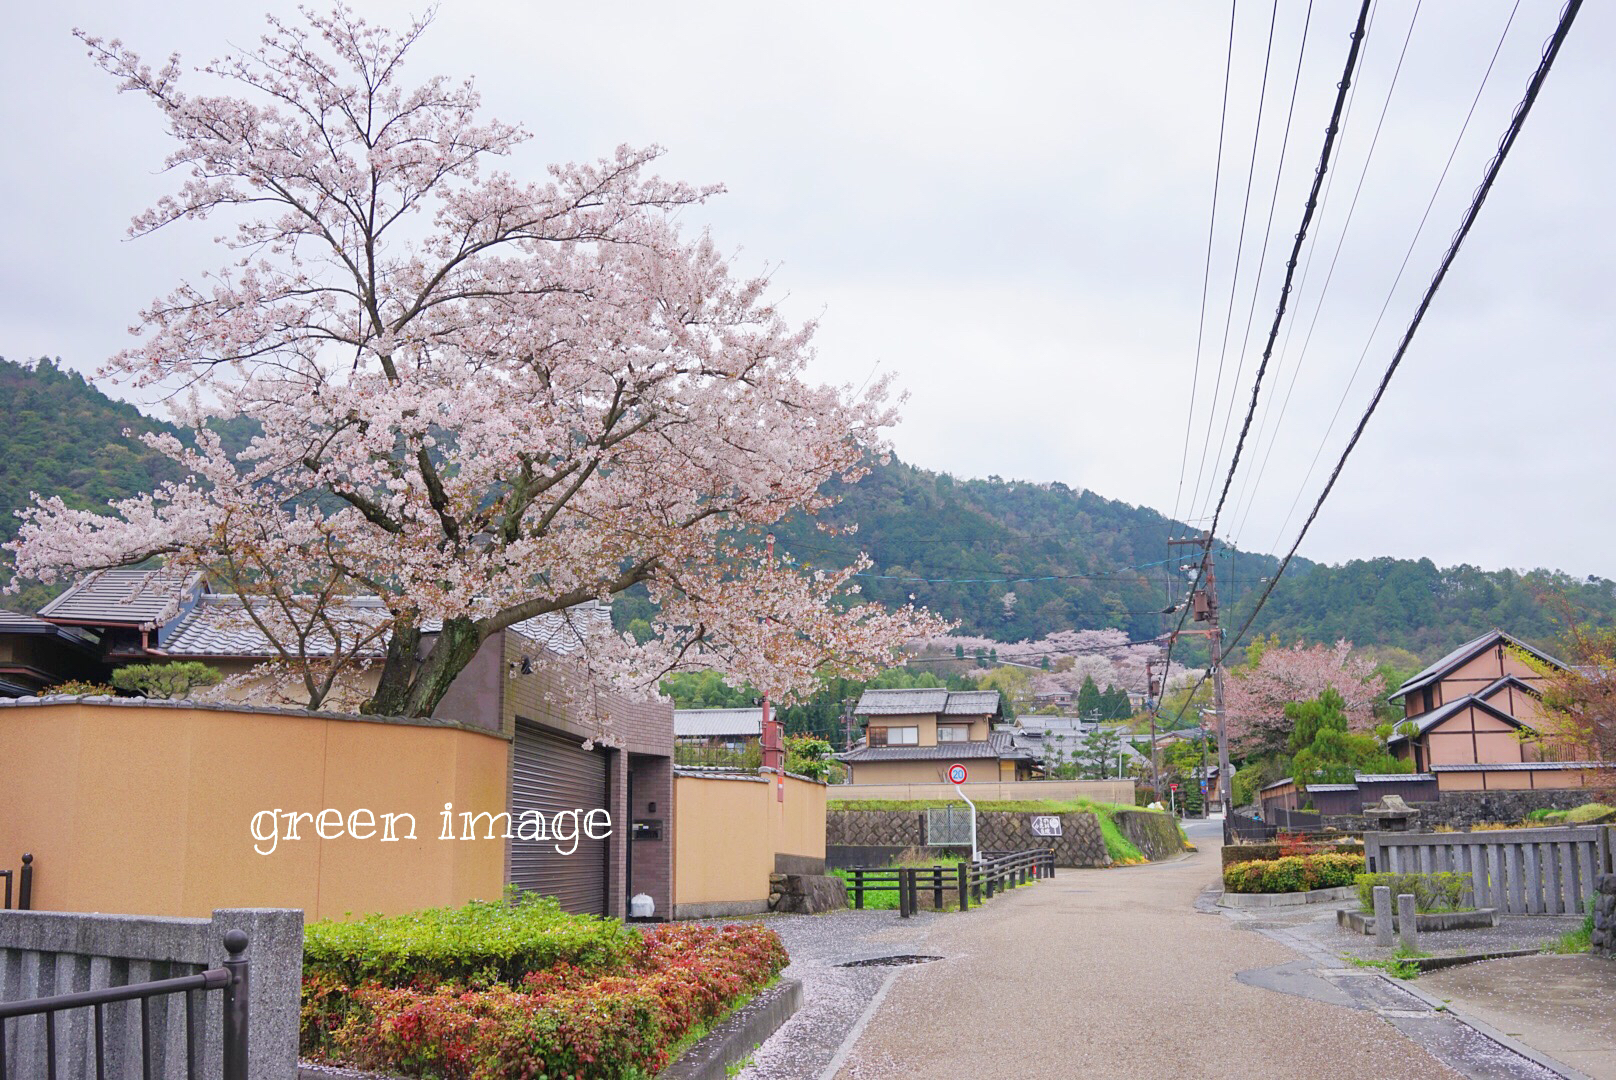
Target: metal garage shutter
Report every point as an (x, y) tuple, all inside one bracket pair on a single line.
[(550, 773)]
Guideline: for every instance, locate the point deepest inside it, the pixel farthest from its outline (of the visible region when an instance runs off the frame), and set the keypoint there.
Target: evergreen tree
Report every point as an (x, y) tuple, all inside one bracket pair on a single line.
[(1088, 699)]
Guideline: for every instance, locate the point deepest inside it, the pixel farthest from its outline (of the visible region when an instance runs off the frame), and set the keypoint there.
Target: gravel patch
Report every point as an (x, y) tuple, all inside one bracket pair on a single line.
[(834, 998)]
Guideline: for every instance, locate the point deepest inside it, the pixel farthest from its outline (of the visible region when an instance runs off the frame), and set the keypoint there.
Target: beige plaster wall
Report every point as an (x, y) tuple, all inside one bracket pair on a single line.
[(144, 809), (728, 829)]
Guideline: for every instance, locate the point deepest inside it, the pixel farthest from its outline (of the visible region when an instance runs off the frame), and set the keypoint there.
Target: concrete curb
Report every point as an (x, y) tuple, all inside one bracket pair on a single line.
[(1364, 922), (1246, 901), (1483, 1028), (741, 1033)]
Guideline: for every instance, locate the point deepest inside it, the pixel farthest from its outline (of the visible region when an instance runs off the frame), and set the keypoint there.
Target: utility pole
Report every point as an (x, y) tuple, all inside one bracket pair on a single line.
[(773, 742), (1204, 606), (1152, 703)]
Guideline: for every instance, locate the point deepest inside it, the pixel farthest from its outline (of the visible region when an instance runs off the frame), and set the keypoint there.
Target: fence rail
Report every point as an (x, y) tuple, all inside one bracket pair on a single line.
[(969, 882), (1548, 871), (231, 977)]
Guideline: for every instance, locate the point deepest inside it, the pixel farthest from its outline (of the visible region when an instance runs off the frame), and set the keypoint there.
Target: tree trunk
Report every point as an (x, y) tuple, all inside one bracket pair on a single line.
[(413, 687), (393, 690)]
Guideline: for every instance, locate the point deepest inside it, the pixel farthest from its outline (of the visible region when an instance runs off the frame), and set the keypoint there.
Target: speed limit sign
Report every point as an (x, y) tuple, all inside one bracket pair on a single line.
[(956, 774)]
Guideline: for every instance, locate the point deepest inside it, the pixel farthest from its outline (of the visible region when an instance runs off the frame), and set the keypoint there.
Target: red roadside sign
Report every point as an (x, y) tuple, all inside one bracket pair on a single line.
[(956, 774)]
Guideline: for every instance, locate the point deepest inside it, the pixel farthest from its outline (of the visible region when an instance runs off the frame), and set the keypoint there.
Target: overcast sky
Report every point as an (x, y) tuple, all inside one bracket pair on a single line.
[(1008, 206)]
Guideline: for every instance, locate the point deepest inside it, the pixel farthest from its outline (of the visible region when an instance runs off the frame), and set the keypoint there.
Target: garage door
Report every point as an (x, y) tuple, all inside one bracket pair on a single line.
[(552, 772)]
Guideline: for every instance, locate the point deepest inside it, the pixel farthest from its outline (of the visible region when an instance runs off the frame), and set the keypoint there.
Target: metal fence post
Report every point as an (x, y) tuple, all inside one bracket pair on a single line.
[(964, 872), (235, 1006), (937, 887), (25, 886), (903, 894)]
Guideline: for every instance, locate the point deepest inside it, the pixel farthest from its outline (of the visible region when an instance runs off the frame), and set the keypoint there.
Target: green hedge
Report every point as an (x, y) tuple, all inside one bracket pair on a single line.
[(1239, 853), (1293, 873), (483, 943), (1432, 892)]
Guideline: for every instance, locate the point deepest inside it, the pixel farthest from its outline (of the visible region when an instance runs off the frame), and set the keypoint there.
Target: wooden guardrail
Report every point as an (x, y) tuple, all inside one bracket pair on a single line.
[(969, 882), (1550, 871)]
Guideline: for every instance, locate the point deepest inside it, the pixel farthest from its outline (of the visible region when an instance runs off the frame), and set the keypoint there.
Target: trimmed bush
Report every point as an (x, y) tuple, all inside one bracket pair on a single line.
[(1293, 873), (560, 1022), (1431, 892), (1239, 853), (483, 943)]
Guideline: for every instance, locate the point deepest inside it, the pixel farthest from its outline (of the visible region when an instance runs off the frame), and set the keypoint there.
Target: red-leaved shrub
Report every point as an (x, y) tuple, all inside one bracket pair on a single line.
[(560, 1022)]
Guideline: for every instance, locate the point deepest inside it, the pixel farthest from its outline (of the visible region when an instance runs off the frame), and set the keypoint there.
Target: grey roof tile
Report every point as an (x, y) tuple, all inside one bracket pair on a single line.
[(710, 722), (142, 598), (1468, 651)]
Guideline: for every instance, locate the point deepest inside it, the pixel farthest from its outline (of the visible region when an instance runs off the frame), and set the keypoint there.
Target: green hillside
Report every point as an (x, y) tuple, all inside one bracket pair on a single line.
[(1072, 559)]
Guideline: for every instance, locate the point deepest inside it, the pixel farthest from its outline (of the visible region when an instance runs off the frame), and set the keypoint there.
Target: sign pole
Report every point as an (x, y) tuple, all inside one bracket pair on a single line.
[(957, 774)]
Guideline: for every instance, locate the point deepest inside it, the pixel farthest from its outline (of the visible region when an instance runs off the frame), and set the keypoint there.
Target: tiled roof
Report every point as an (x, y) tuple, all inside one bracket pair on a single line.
[(1332, 787), (1426, 721), (1464, 653), (707, 722), (566, 630), (219, 625), (15, 622), (997, 745), (972, 703), (141, 598), (1392, 778), (928, 700), (894, 702)]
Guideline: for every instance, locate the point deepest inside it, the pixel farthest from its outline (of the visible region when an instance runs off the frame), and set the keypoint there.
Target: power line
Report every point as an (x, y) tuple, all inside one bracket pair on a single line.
[(1290, 270), (1206, 273), (1296, 248), (1551, 50), (1390, 292)]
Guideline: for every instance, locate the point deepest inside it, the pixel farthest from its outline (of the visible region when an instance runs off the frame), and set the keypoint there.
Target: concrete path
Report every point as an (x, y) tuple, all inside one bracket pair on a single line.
[(1564, 1006), (1115, 974)]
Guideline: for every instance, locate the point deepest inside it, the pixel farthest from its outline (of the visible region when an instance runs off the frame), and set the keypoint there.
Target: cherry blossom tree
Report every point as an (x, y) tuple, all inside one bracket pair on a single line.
[(1255, 694), (478, 398)]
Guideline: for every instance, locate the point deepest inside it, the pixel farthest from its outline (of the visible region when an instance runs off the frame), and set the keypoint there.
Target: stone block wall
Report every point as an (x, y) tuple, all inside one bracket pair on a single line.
[(1080, 844), (1153, 833), (1604, 943), (1462, 809)]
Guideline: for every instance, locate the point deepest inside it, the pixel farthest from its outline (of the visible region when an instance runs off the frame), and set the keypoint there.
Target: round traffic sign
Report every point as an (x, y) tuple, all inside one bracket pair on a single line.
[(956, 774)]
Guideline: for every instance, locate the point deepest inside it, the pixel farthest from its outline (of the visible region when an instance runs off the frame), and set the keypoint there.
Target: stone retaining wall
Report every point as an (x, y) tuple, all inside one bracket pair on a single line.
[(1461, 809), (1081, 844), (1604, 943)]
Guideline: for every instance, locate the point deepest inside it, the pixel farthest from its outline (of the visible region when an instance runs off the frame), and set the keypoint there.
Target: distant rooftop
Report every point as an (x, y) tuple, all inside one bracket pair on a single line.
[(928, 700), (144, 599), (707, 723)]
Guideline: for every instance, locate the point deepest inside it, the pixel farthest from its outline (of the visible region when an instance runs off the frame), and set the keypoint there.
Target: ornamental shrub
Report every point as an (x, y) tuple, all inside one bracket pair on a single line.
[(563, 1021), (482, 943), (1293, 873), (1432, 892)]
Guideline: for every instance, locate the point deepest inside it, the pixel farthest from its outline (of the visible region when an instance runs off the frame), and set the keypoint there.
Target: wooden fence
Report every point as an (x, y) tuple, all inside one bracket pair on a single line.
[(970, 883), (1518, 871)]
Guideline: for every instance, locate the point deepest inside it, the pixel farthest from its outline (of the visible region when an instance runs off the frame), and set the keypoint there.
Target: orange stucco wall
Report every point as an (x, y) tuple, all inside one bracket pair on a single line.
[(728, 829), (1517, 779), (148, 809)]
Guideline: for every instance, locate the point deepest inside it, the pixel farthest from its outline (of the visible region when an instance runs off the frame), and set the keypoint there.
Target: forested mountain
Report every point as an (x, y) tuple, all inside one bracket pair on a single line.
[(1010, 560)]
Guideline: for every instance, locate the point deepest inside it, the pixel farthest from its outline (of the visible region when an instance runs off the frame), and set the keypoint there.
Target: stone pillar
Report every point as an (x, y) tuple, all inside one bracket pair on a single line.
[(1383, 916), (1604, 939), (1408, 929)]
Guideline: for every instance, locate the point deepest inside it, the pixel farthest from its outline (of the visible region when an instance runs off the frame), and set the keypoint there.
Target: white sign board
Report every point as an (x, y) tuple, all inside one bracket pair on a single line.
[(1046, 826)]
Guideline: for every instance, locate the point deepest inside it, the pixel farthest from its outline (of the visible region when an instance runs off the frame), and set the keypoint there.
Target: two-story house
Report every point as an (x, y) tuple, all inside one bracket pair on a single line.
[(1479, 724), (912, 736)]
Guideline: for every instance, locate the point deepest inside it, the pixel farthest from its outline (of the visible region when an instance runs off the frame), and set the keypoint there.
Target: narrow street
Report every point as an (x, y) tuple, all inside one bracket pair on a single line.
[(1110, 973)]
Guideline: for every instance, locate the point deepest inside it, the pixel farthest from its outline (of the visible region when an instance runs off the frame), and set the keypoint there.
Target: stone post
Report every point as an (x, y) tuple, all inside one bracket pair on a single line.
[(1383, 916), (1408, 929)]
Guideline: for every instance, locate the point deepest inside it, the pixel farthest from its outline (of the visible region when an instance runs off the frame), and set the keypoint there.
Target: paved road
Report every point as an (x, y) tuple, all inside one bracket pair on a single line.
[(1115, 974)]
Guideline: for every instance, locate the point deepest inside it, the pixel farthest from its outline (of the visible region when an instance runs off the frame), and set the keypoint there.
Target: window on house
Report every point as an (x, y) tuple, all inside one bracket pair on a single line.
[(894, 736), (953, 733)]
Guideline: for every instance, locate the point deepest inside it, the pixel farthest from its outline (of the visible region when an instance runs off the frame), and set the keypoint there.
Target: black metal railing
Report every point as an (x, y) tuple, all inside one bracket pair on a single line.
[(968, 882), (1238, 828), (25, 885), (231, 977)]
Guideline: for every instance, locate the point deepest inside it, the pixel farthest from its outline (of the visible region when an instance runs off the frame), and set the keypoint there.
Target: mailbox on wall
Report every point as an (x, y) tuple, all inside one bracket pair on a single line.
[(646, 829)]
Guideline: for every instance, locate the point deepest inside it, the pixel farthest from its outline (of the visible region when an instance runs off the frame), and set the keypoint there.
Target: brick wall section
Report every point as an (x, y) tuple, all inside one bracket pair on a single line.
[(1604, 943), (1461, 809), (651, 861)]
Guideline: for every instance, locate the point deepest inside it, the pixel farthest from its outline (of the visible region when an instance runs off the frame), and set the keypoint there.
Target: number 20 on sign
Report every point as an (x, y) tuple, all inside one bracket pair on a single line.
[(956, 774)]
